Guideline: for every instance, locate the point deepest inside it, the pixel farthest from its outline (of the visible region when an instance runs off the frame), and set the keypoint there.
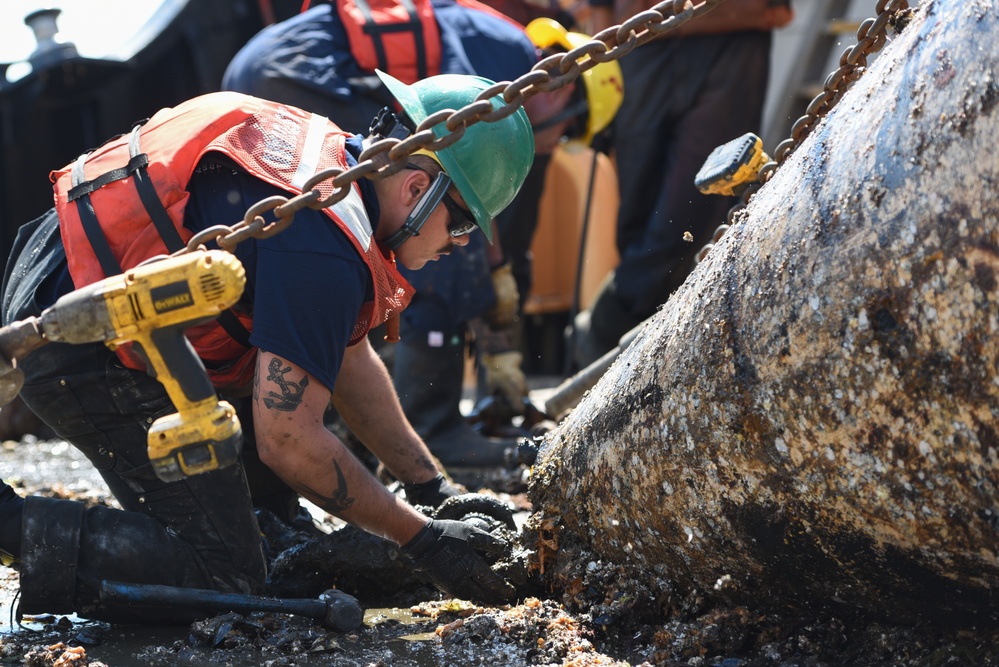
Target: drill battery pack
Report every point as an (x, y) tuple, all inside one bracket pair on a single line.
[(205, 438)]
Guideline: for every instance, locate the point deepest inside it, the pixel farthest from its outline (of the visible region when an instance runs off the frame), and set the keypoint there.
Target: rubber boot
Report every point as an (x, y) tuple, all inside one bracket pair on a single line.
[(429, 383), (67, 549), (11, 509), (50, 555)]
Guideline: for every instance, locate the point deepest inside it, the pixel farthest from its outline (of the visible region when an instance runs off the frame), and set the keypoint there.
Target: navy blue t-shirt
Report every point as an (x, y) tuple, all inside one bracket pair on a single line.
[(305, 285)]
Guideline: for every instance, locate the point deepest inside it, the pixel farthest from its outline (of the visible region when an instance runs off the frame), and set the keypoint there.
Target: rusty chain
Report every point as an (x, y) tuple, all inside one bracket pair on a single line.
[(388, 156), (871, 38)]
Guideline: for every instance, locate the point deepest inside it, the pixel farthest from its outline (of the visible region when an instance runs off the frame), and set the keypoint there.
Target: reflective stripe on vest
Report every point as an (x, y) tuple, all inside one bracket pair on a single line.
[(354, 216), (308, 163)]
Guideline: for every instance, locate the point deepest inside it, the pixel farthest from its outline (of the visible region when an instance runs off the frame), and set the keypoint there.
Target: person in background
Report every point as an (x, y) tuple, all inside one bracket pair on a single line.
[(324, 60), (688, 92), (588, 109), (296, 341)]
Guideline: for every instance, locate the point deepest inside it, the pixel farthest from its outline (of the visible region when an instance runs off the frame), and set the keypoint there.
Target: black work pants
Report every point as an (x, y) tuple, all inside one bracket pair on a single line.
[(199, 532), (685, 97)]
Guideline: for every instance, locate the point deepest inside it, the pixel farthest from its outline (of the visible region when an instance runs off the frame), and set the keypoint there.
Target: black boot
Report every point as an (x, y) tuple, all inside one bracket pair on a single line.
[(68, 549), (11, 506), (429, 383)]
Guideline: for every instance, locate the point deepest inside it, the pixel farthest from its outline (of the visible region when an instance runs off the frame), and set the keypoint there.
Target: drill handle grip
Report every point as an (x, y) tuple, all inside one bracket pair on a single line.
[(176, 365)]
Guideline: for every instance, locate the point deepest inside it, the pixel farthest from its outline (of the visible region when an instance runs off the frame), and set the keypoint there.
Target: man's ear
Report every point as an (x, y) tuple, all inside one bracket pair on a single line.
[(414, 185)]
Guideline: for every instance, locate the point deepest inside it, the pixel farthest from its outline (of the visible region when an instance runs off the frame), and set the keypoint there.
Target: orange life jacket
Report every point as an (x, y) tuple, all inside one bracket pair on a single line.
[(396, 36), (124, 203), (400, 37)]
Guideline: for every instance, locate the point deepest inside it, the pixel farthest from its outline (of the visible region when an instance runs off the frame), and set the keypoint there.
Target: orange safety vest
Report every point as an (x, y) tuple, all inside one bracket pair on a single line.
[(400, 37), (396, 36), (124, 203)]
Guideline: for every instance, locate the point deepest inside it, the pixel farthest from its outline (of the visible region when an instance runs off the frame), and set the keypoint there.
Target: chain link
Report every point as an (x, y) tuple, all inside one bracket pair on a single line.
[(871, 38), (387, 156)]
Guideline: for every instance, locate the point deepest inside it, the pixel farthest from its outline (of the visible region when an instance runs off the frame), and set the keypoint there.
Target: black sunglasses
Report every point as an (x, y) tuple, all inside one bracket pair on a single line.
[(462, 221)]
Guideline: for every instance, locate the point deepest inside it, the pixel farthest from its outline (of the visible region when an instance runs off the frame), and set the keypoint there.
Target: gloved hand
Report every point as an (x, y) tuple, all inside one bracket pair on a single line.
[(430, 494), (446, 551), (505, 378), (504, 312)]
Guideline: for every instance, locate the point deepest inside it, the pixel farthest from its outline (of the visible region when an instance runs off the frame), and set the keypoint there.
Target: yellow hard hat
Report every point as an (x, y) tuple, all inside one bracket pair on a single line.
[(604, 83)]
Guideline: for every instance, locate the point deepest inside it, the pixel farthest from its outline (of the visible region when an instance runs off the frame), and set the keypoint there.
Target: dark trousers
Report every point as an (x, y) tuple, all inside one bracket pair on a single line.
[(685, 97), (199, 532)]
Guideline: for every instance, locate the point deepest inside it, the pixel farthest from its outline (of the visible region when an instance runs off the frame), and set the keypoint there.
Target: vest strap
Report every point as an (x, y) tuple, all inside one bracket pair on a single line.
[(91, 227), (376, 30), (147, 194), (99, 242), (228, 321), (136, 168), (86, 187)]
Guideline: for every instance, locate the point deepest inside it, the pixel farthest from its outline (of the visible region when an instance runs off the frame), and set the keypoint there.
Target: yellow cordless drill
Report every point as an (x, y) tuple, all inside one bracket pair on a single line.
[(151, 306)]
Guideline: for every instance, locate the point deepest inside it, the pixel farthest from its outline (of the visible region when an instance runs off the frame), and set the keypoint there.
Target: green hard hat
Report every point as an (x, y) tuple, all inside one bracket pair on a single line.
[(490, 162)]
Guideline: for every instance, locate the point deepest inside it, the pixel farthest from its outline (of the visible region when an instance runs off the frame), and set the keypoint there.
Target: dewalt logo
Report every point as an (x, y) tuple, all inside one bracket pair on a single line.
[(171, 297)]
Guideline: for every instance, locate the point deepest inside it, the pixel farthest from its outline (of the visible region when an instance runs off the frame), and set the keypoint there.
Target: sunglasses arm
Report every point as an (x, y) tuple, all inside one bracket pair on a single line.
[(418, 216)]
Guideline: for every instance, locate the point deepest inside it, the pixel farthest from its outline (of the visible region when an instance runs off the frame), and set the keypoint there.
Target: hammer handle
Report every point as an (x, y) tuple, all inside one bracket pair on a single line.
[(196, 598)]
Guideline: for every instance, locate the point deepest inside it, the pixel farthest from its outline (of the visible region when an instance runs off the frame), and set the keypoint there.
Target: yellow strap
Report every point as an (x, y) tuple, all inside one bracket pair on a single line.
[(431, 155)]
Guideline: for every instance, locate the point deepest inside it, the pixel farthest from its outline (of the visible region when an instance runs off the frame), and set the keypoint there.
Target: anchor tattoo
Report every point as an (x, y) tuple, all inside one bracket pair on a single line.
[(339, 501), (291, 392)]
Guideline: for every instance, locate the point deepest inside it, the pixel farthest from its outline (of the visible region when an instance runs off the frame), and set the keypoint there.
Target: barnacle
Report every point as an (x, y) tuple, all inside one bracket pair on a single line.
[(547, 543)]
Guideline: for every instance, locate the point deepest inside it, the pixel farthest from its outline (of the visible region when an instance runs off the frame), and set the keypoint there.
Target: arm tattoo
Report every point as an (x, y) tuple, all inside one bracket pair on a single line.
[(291, 392), (340, 500)]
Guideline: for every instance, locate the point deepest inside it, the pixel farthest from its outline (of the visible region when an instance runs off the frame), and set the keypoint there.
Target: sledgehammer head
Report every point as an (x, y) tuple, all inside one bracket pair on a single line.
[(343, 612)]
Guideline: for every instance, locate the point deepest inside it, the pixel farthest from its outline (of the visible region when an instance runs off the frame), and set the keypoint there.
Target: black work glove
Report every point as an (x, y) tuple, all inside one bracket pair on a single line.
[(446, 551), (430, 494)]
